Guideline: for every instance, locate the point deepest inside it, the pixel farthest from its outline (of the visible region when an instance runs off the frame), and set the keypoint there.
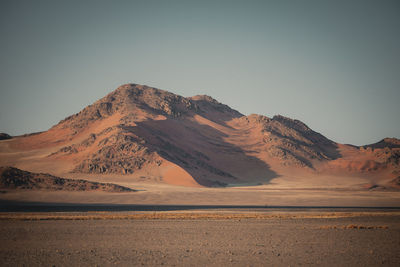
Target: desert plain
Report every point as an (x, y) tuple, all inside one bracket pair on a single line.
[(222, 237)]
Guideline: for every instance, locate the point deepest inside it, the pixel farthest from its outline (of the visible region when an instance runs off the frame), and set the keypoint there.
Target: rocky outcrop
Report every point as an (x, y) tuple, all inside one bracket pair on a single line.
[(120, 153), (16, 179), (385, 143), (4, 136), (131, 100), (386, 154), (292, 142)]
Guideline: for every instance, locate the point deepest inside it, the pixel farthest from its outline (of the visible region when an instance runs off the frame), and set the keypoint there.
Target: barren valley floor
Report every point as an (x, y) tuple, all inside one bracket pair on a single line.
[(201, 238), (283, 194)]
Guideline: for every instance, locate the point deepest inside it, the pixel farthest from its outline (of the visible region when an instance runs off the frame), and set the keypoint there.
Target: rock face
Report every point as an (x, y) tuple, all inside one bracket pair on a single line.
[(13, 178), (389, 143), (292, 142), (135, 102), (151, 134)]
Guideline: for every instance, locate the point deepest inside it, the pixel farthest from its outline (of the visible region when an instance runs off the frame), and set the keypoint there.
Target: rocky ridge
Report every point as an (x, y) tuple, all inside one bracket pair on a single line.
[(4, 136), (13, 178)]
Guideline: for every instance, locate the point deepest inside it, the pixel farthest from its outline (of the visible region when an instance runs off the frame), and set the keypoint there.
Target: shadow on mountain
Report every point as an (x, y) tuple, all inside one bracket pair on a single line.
[(202, 152)]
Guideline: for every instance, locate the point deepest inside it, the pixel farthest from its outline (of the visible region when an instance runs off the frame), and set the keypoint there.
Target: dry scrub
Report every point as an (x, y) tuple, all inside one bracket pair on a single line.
[(353, 226), (194, 216)]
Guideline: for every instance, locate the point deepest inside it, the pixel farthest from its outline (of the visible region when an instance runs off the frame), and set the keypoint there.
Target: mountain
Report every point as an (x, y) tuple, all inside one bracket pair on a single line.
[(152, 135), (13, 178)]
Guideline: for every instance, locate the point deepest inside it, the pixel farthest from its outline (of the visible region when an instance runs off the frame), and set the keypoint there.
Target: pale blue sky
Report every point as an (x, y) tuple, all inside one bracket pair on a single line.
[(334, 65)]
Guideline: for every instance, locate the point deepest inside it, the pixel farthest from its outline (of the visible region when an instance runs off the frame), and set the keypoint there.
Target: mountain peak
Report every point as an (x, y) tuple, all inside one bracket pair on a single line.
[(135, 102), (204, 98), (133, 89)]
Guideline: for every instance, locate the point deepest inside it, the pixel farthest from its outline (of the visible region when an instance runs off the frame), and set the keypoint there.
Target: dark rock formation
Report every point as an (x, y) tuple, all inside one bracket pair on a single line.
[(13, 178)]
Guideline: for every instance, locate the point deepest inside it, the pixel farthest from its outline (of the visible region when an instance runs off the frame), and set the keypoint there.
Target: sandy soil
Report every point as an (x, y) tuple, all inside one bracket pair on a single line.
[(149, 193), (286, 241)]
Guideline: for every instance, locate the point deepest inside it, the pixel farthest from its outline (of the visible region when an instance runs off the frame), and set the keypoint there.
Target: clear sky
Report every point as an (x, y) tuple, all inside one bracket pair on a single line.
[(334, 65)]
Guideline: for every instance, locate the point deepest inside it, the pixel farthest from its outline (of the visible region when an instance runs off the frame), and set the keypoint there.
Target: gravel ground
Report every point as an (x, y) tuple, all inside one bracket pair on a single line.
[(245, 242)]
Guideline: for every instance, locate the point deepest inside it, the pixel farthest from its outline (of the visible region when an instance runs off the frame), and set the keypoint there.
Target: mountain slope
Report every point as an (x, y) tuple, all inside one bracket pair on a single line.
[(152, 135)]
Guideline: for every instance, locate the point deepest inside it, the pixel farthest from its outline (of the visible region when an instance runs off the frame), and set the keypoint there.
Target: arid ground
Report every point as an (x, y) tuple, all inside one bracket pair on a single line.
[(202, 238), (164, 194)]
